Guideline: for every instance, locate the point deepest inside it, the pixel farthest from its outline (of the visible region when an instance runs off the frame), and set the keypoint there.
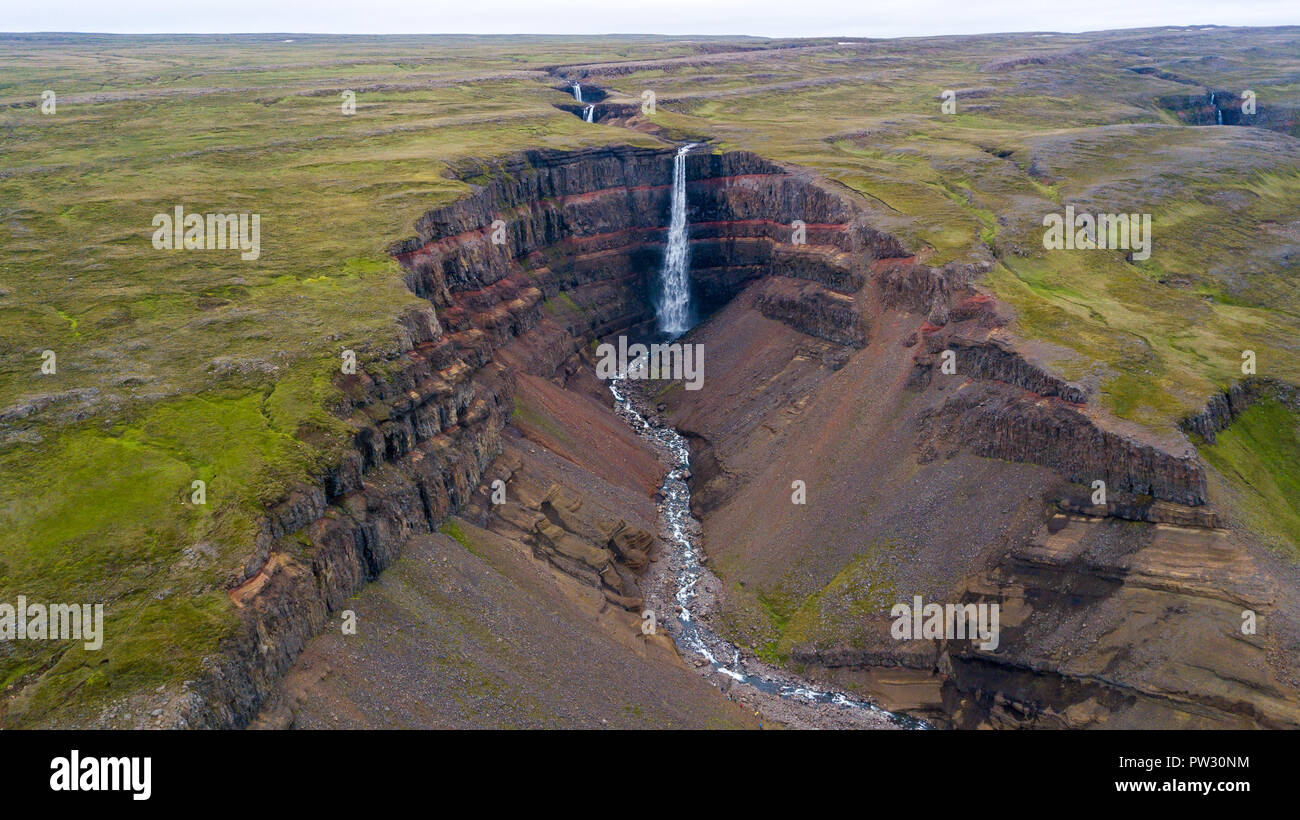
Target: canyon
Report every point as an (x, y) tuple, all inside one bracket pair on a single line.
[(906, 395), (826, 348)]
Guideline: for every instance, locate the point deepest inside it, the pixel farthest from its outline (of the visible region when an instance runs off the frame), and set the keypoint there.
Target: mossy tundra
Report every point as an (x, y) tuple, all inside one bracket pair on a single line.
[(183, 366)]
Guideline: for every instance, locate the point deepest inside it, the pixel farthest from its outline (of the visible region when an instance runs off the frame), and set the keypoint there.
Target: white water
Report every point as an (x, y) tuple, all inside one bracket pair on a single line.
[(674, 308), (691, 636), (577, 92), (588, 113)]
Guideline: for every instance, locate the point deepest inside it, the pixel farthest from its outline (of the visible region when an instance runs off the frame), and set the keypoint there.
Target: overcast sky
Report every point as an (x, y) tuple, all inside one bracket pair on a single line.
[(773, 18)]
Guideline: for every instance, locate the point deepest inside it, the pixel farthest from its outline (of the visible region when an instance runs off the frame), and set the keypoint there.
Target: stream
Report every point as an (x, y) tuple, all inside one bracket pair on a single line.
[(682, 529)]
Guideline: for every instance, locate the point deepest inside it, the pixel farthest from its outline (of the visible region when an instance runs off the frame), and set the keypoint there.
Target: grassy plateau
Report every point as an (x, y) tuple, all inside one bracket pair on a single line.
[(177, 366)]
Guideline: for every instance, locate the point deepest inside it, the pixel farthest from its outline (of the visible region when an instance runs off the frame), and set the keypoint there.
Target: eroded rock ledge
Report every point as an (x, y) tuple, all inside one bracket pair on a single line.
[(1223, 408), (553, 250), (583, 237), (1014, 408)]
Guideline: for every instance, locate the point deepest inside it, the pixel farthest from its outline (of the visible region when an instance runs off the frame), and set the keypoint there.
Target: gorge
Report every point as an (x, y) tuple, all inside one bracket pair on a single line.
[(499, 373), (367, 470)]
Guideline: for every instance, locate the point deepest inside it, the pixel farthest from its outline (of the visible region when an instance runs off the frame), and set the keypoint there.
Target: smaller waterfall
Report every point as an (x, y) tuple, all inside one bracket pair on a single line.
[(577, 92), (588, 113)]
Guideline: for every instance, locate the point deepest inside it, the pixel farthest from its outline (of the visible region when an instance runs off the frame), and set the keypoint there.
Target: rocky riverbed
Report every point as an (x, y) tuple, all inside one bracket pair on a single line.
[(681, 591)]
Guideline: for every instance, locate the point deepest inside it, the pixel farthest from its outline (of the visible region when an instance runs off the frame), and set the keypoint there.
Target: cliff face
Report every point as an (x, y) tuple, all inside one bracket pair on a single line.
[(1103, 624), (571, 219), (577, 259), (1223, 408), (556, 249), (997, 421), (1013, 407), (1224, 107), (957, 487)]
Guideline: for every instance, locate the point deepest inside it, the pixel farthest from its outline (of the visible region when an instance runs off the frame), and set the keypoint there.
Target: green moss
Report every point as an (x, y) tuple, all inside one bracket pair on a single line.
[(146, 643), (778, 609), (523, 414), (107, 516), (1258, 455), (860, 591), (569, 303), (208, 367), (452, 529)]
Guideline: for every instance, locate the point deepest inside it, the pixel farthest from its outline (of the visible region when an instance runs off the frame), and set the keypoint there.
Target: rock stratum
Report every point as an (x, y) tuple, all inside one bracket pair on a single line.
[(825, 363)]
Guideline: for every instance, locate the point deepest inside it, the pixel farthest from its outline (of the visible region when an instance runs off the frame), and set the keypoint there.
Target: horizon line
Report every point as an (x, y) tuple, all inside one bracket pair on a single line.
[(570, 35)]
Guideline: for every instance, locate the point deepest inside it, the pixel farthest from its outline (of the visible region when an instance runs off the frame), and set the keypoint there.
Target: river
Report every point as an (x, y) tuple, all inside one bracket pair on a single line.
[(693, 638)]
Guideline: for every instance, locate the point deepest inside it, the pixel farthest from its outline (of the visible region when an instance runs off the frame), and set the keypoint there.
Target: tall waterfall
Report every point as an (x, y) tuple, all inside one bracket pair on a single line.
[(577, 92), (588, 113), (674, 309)]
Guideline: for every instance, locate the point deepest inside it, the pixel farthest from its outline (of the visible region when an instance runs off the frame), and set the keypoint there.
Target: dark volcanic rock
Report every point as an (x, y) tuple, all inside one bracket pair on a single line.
[(998, 421), (590, 225)]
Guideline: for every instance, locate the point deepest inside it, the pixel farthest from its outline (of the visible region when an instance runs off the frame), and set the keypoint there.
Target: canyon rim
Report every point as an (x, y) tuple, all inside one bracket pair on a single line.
[(651, 382)]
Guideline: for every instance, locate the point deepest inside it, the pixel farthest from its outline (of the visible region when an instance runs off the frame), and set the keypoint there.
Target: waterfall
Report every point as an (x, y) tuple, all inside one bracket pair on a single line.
[(588, 113), (1218, 112), (577, 92), (675, 302)]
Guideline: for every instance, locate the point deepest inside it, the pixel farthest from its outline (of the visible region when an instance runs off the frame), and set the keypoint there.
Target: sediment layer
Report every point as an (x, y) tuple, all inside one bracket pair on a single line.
[(579, 239), (554, 250)]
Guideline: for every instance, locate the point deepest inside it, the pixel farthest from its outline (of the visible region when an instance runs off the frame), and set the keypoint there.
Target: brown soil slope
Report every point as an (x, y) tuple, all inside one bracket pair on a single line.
[(825, 364), (1105, 622), (474, 629)]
